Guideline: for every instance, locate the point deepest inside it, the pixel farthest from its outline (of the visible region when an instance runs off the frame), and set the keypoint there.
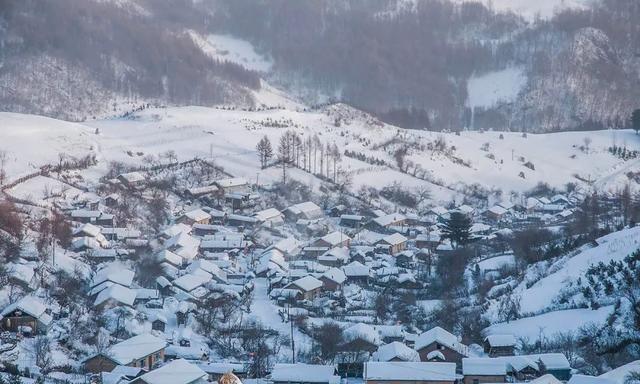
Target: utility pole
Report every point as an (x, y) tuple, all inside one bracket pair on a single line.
[(293, 344)]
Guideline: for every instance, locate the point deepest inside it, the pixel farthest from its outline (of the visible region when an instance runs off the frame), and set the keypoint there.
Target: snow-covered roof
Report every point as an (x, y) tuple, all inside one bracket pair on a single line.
[(267, 214), (132, 177), (483, 366), (114, 272), (501, 340), (89, 229), (304, 373), (389, 219), (177, 371), (356, 269), (306, 207), (176, 229), (335, 274), (307, 283), (551, 360), (395, 350), (335, 238), (232, 182), (183, 240), (443, 337), (116, 292), (289, 245), (32, 306), (497, 210), (619, 375), (170, 257), (191, 281), (546, 379), (197, 215), (394, 239), (584, 379), (362, 331), (409, 371), (135, 348)]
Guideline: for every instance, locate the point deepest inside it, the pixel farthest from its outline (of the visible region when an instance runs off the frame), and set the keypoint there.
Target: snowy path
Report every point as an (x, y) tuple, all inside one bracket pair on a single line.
[(267, 312)]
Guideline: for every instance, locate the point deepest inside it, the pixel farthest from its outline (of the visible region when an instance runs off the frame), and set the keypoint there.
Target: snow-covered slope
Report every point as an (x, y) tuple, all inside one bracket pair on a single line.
[(229, 137), (552, 291)]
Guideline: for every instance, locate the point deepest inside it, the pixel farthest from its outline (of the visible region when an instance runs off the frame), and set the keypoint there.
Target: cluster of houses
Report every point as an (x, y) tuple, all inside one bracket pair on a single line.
[(312, 256)]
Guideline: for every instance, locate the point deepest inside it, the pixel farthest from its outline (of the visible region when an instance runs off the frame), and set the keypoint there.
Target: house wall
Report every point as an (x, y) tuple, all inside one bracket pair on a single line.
[(12, 323), (99, 364), (450, 355), (330, 285), (407, 382), (480, 379)]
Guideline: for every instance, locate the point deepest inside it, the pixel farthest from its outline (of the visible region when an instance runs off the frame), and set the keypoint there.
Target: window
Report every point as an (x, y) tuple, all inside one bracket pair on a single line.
[(476, 381)]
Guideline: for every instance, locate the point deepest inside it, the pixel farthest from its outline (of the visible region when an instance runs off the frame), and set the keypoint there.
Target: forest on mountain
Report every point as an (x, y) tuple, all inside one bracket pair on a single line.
[(408, 62)]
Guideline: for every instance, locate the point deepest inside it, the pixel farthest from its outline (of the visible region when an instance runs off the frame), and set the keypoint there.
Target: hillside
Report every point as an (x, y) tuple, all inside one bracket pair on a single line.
[(446, 163)]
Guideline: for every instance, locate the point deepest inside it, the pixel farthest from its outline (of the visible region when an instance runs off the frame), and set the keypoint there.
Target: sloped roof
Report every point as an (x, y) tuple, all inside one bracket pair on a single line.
[(177, 371), (410, 371), (307, 283), (31, 306), (483, 366), (304, 373), (335, 274), (394, 350), (443, 337), (118, 293)]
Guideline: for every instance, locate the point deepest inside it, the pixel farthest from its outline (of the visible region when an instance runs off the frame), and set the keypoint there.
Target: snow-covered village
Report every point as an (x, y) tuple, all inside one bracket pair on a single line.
[(243, 221)]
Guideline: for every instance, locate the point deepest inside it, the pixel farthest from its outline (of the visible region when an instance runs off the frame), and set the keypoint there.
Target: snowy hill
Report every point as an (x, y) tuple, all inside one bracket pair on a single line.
[(504, 161)]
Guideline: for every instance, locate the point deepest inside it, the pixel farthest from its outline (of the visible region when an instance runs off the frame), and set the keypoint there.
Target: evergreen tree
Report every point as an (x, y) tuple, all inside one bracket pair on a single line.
[(457, 229), (635, 120)]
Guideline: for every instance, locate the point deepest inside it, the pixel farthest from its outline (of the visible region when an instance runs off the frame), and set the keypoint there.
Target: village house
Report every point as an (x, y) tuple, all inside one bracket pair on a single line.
[(387, 222), (333, 279), (143, 351), (178, 371), (395, 351), (217, 370), (158, 322), (307, 211), (27, 315), (393, 243), (499, 345), (332, 240), (204, 191), (334, 257), (309, 286), (85, 216), (480, 370), (304, 374), (131, 179), (437, 344), (357, 272), (352, 221), (428, 241), (232, 185), (528, 367), (197, 216), (496, 213), (269, 218), (361, 337), (114, 296), (409, 372)]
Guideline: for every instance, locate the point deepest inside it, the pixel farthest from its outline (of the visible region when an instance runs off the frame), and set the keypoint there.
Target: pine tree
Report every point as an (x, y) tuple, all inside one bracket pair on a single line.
[(635, 120), (457, 228)]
